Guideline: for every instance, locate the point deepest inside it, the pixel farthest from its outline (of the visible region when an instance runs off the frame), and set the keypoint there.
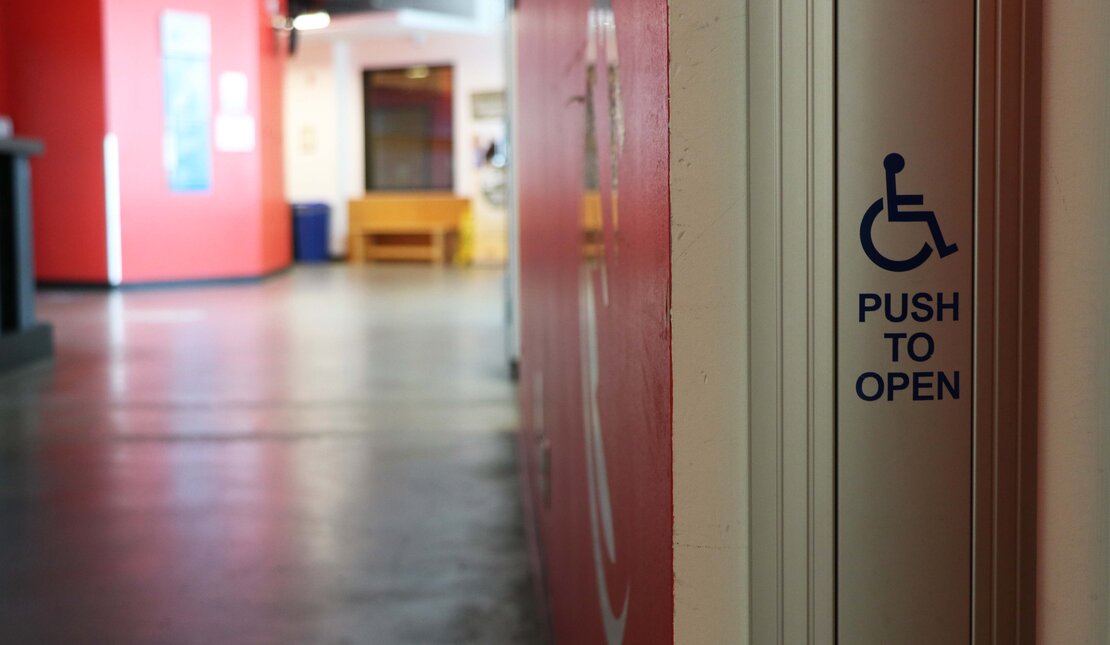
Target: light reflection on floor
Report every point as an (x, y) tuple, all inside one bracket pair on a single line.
[(326, 457)]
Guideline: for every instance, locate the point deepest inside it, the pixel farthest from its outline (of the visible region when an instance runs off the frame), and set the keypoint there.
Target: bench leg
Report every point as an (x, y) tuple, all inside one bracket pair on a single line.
[(439, 248), (358, 247)]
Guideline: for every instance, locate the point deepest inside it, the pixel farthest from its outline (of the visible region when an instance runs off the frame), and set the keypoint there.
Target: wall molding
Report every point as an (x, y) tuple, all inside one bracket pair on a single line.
[(792, 260), (1006, 317)]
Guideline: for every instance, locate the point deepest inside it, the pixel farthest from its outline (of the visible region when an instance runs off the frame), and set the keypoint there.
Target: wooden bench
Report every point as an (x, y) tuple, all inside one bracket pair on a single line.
[(405, 226)]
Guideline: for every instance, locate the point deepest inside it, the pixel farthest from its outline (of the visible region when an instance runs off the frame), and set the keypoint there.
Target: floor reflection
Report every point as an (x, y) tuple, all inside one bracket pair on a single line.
[(326, 457)]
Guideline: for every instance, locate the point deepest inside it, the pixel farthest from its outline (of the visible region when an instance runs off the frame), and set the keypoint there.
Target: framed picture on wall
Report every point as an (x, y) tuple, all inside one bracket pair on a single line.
[(488, 105)]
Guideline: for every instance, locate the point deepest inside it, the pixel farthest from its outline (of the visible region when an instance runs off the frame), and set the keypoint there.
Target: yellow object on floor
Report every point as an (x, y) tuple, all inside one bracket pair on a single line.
[(464, 253)]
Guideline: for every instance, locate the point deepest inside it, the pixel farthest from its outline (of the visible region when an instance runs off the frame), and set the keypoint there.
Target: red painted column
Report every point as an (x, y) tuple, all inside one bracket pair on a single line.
[(596, 363), (56, 84), (276, 237), (221, 232), (5, 26), (96, 69)]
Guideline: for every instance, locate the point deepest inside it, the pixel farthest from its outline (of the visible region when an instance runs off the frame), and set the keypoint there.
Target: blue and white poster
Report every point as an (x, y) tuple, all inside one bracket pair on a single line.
[(187, 100)]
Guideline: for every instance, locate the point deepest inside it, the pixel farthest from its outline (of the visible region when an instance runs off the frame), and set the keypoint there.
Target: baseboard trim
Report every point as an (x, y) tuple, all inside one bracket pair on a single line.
[(68, 285)]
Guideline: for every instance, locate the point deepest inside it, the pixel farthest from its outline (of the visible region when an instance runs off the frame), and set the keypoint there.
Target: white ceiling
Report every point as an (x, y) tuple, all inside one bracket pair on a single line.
[(405, 22)]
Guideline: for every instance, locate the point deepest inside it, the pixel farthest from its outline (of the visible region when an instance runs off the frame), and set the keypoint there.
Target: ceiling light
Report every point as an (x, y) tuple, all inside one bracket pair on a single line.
[(420, 71), (310, 21)]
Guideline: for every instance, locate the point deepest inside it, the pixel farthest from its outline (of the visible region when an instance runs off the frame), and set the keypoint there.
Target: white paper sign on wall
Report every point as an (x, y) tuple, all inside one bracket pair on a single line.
[(235, 127)]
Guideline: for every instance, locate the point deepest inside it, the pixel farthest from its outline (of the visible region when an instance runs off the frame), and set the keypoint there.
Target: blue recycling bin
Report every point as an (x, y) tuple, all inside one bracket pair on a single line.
[(310, 232)]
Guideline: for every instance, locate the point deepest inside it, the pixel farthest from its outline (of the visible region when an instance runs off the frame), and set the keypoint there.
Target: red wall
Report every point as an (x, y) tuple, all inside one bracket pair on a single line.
[(232, 229), (56, 84), (94, 68), (631, 334), (276, 238), (5, 104)]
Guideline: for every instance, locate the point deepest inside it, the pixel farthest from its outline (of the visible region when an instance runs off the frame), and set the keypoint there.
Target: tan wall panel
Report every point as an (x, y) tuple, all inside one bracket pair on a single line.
[(709, 318), (1074, 474)]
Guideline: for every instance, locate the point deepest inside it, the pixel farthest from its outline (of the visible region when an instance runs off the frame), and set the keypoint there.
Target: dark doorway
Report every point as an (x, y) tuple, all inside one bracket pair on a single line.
[(409, 129)]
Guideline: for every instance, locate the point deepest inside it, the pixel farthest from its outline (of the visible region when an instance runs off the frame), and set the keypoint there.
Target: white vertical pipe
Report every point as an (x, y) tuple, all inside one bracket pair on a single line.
[(513, 276), (344, 190), (113, 225)]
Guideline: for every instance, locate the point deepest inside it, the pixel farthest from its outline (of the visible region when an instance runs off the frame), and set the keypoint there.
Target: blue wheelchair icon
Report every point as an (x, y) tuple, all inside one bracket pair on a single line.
[(895, 163)]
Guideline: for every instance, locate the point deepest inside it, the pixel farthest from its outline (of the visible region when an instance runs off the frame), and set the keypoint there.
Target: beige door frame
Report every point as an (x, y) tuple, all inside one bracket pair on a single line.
[(753, 235)]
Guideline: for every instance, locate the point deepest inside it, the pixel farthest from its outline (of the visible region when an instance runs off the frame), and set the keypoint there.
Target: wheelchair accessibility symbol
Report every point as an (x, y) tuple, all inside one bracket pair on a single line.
[(894, 163)]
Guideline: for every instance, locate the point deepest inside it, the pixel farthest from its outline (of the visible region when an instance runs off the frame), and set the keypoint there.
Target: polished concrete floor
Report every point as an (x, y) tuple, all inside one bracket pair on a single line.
[(326, 457)]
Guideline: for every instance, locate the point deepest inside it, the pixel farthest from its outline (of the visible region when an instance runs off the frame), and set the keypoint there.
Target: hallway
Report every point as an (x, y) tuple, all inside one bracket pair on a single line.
[(325, 457)]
